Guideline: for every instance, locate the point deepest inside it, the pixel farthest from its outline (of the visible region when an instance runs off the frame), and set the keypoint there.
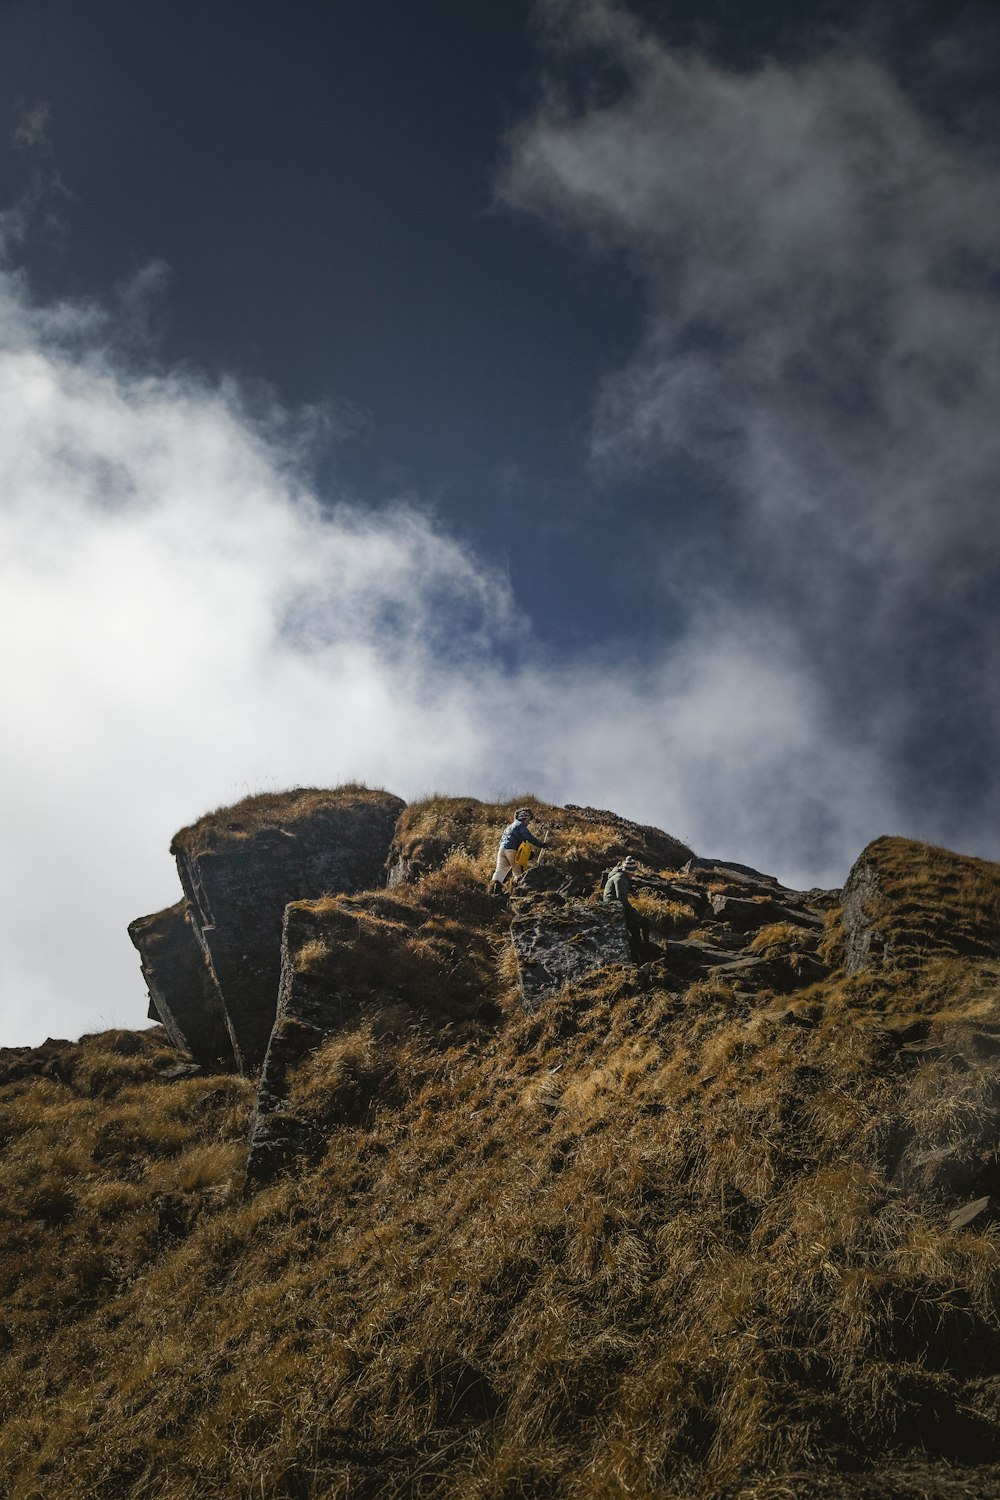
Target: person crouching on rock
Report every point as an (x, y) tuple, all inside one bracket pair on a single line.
[(616, 888), (513, 836)]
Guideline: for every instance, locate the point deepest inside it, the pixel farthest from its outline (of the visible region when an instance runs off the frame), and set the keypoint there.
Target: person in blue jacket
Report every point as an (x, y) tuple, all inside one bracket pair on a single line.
[(513, 836)]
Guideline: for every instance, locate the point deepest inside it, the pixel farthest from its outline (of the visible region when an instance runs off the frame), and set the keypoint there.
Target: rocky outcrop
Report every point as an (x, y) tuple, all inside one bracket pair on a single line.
[(704, 867), (717, 916), (560, 943), (859, 902), (308, 1009), (240, 872), (903, 900), (270, 952), (183, 993), (750, 914), (212, 961)]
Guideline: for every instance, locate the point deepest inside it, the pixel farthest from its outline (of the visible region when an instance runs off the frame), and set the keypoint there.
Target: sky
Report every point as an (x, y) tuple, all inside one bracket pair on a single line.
[(590, 399)]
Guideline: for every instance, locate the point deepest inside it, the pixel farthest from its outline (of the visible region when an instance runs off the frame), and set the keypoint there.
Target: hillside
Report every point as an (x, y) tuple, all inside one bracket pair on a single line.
[(523, 1217)]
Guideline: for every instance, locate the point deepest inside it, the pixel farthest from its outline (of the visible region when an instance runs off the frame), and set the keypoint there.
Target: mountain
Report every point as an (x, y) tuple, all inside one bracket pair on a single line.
[(415, 1191)]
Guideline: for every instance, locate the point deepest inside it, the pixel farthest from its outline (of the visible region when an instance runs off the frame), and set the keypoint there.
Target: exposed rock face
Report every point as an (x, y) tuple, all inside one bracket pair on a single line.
[(307, 1011), (239, 868), (182, 988), (749, 915), (240, 879), (701, 865), (859, 898), (557, 939), (557, 944), (314, 1001), (903, 899)]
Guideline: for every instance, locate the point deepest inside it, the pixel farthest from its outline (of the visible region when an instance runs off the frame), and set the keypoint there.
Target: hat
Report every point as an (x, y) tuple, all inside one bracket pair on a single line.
[(524, 813)]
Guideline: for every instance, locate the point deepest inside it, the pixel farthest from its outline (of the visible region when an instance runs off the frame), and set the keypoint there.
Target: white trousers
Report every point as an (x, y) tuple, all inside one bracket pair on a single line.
[(506, 866)]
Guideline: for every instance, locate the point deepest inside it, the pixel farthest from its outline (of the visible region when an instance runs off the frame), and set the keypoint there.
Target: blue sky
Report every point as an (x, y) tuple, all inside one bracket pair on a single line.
[(589, 399)]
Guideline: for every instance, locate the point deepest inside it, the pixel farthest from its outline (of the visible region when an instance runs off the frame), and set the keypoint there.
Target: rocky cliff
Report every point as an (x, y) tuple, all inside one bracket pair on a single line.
[(498, 1210), (239, 868)]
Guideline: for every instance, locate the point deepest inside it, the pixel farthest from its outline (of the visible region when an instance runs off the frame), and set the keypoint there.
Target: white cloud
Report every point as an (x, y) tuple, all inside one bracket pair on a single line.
[(821, 336)]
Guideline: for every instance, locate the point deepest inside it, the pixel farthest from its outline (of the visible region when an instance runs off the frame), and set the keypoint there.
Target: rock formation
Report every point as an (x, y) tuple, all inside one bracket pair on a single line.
[(560, 943), (183, 993), (903, 898), (239, 868), (269, 953)]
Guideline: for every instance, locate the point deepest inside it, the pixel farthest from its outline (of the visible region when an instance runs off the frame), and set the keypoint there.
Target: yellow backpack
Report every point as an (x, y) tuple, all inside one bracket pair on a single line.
[(523, 855)]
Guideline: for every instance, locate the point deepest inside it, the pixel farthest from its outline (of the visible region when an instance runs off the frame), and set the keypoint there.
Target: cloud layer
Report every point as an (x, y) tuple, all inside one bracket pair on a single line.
[(821, 338)]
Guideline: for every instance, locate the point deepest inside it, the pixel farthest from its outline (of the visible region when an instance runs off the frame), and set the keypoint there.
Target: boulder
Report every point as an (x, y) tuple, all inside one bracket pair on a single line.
[(682, 892), (745, 915), (728, 869), (556, 944), (183, 994), (240, 868), (687, 959)]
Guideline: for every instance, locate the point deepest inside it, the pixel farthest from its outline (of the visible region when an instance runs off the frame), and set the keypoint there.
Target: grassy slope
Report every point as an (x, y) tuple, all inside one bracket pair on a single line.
[(639, 1244)]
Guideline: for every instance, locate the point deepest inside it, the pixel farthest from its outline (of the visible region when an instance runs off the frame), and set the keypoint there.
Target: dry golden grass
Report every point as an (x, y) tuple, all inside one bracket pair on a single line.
[(584, 841), (663, 915), (267, 810), (780, 938), (640, 1243)]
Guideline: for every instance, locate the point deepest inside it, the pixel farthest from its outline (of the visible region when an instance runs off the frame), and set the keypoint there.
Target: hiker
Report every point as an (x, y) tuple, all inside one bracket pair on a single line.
[(616, 888), (513, 836)]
